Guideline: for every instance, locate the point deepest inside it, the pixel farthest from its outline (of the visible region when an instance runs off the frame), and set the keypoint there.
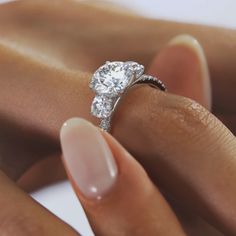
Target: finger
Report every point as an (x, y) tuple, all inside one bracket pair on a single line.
[(40, 174), (28, 134), (188, 150), (116, 193), (20, 215), (185, 55), (182, 66)]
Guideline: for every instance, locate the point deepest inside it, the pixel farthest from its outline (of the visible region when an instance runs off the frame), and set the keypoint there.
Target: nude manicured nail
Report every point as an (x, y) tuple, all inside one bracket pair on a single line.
[(182, 66), (192, 43), (88, 158)]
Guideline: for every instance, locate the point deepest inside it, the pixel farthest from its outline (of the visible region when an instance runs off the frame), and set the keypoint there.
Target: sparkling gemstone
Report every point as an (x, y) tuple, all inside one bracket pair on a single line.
[(112, 78), (138, 69), (105, 124), (102, 106)]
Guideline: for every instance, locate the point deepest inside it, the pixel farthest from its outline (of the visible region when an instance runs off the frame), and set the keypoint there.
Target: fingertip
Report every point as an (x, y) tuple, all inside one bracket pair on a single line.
[(182, 65), (72, 123), (88, 159), (107, 179)]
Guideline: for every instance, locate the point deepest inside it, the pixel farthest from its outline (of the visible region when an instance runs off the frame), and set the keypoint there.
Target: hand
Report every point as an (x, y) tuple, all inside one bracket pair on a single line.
[(53, 71), (61, 93), (188, 148)]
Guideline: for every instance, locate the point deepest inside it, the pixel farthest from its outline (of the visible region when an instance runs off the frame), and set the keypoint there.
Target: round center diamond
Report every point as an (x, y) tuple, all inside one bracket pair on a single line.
[(112, 78)]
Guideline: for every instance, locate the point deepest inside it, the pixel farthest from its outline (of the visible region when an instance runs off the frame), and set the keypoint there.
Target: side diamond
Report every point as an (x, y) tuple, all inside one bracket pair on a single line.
[(138, 69), (102, 106), (105, 124)]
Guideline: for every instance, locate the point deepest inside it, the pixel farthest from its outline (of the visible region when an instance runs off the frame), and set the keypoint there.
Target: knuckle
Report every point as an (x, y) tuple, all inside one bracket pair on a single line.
[(190, 123), (195, 120), (182, 117), (178, 123), (194, 117)]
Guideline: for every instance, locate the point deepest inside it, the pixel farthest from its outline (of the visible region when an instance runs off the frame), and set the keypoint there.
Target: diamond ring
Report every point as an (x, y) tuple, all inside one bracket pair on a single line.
[(111, 81)]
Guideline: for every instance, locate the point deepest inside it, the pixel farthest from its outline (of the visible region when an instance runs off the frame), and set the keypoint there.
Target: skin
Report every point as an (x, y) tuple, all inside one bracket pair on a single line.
[(55, 88)]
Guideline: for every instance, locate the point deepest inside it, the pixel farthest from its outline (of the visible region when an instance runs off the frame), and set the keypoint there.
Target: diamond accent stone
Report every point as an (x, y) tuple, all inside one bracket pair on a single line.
[(105, 123), (102, 106), (138, 69), (112, 78)]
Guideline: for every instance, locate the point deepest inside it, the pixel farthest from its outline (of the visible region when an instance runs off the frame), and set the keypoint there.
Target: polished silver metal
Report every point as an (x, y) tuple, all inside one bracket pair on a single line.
[(111, 81)]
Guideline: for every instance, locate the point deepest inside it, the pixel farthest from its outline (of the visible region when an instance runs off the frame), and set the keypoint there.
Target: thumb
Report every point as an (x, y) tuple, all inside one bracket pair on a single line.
[(116, 193)]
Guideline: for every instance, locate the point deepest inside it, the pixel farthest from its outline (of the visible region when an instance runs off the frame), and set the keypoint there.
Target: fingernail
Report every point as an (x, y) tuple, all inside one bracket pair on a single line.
[(193, 44), (88, 158), (182, 65)]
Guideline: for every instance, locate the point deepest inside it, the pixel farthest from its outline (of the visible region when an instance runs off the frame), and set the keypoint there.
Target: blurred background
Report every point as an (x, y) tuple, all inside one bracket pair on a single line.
[(60, 198), (211, 12)]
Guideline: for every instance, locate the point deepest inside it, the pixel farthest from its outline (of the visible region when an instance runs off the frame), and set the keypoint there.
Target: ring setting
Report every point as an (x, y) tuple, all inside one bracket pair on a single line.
[(111, 81)]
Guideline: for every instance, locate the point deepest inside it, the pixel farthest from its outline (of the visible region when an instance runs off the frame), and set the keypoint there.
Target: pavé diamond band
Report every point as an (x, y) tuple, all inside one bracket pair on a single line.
[(111, 81)]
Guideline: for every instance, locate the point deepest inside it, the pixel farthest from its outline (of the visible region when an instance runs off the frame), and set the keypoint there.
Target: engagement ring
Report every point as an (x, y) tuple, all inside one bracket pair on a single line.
[(111, 81)]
